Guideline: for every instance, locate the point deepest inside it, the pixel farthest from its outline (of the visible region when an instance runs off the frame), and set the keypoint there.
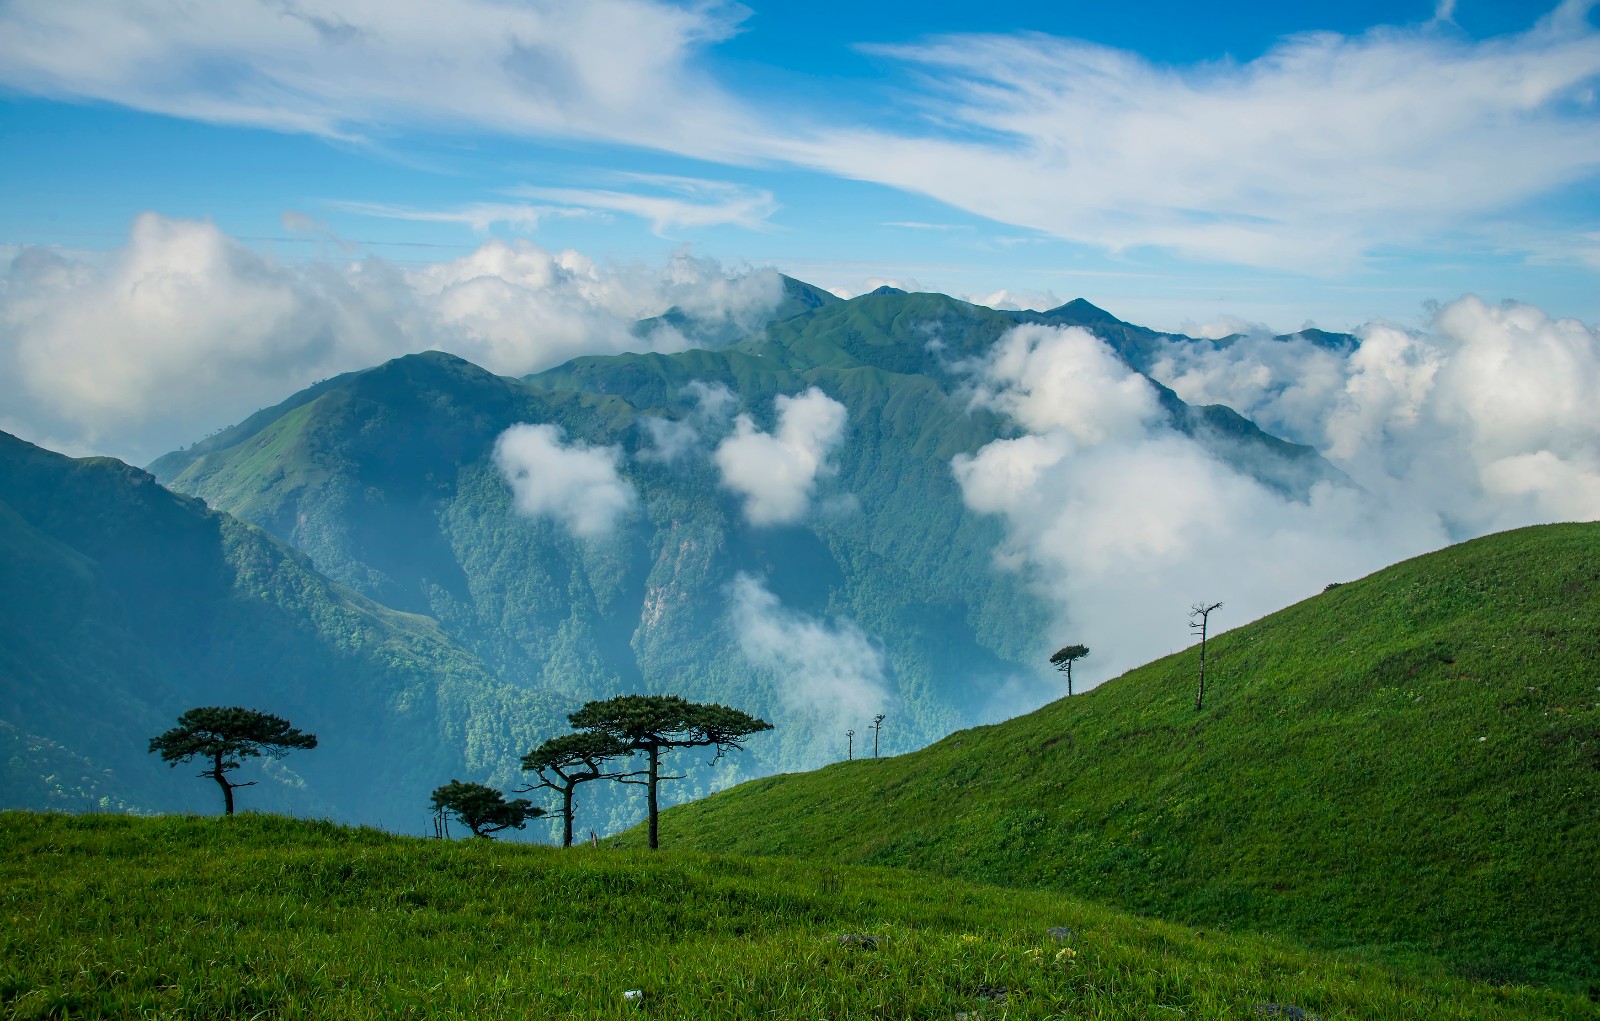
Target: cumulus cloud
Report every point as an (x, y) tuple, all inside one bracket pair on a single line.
[(1485, 418), (573, 484), (832, 672), (1482, 421), (184, 329), (1124, 522), (776, 473), (514, 307), (1066, 380)]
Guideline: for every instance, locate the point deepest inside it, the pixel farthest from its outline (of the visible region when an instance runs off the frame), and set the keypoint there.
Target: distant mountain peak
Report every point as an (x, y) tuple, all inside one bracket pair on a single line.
[(1079, 310), (885, 289)]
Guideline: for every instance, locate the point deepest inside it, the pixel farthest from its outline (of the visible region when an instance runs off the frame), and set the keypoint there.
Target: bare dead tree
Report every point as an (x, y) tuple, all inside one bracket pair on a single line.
[(1199, 618), (850, 746), (877, 725)]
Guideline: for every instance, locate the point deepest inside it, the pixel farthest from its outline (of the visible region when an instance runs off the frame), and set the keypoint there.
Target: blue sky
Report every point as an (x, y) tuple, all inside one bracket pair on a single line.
[(850, 144)]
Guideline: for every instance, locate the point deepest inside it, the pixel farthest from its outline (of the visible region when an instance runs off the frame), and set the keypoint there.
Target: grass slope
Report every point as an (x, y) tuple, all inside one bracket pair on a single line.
[(260, 916), (1409, 762)]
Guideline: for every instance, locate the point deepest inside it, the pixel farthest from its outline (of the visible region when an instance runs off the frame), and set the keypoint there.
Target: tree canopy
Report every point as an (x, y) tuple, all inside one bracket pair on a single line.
[(562, 763), (1064, 658), (649, 723), (225, 736), (483, 810)]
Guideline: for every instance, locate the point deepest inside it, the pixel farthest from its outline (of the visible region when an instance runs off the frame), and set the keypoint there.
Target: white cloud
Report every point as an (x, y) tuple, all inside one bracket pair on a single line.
[(1307, 157), (669, 203), (831, 672), (1006, 298), (480, 216), (776, 473), (184, 329), (1066, 379), (1485, 419), (619, 70), (1125, 522), (1310, 157), (574, 484), (673, 438)]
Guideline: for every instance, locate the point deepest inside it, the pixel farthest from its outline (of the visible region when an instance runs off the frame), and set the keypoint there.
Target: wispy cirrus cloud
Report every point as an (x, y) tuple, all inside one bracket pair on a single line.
[(666, 203), (1309, 157), (613, 70)]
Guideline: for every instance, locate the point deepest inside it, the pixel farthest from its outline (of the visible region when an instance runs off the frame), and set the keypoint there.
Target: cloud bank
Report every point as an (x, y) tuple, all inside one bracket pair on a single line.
[(575, 485), (776, 473), (830, 672), (184, 329), (1483, 421)]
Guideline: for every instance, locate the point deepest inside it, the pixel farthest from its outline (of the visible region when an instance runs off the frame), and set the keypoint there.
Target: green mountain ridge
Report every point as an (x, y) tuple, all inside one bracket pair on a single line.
[(384, 478), (126, 604), (1407, 765)]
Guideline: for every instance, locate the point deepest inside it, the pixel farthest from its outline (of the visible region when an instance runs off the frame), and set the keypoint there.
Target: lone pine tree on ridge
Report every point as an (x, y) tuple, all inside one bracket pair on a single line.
[(224, 736)]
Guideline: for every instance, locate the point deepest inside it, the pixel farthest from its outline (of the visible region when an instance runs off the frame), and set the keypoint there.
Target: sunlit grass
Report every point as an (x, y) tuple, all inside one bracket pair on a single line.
[(266, 917)]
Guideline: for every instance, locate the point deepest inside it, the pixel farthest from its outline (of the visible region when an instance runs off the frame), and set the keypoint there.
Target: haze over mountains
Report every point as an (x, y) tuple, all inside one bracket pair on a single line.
[(899, 503)]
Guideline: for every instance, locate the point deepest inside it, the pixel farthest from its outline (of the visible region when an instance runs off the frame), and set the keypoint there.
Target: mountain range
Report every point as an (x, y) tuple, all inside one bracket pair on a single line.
[(354, 558)]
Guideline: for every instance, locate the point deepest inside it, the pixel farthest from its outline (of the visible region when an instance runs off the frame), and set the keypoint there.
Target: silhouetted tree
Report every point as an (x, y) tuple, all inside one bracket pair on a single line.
[(650, 723), (565, 762), (1199, 617), (1065, 657), (850, 744), (483, 810), (877, 725), (224, 736)]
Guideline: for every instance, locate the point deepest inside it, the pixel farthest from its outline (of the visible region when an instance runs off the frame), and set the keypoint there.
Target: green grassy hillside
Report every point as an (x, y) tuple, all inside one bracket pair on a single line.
[(1409, 762), (123, 604), (262, 917)]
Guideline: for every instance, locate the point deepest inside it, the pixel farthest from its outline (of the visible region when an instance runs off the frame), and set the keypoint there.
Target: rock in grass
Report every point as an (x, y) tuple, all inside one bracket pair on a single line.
[(858, 941), (1284, 1010), (633, 997), (1059, 933)]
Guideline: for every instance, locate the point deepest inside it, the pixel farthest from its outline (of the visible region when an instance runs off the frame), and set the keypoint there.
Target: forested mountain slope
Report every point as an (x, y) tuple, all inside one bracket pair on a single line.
[(386, 479), (125, 604)]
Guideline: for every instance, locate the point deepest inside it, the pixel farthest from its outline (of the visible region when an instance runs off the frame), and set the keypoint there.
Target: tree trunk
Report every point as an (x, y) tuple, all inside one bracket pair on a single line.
[(1069, 678), (566, 815), (1200, 696), (222, 781), (655, 775)]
